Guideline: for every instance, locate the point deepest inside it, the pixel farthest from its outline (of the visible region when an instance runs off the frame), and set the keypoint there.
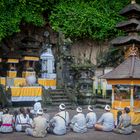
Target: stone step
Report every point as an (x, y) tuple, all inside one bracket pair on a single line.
[(58, 103), (60, 100), (102, 106), (103, 101), (57, 94), (56, 91), (59, 97)]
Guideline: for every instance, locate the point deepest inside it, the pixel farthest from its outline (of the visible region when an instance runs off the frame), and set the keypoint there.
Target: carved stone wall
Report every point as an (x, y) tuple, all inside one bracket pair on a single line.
[(87, 50)]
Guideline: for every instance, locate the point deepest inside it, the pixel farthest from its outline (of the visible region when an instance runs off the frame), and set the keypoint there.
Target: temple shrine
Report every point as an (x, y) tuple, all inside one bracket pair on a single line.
[(19, 74), (125, 78)]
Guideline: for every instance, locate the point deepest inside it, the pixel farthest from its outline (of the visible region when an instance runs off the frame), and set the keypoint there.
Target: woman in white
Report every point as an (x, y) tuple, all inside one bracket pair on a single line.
[(7, 121), (91, 117), (22, 121), (78, 122)]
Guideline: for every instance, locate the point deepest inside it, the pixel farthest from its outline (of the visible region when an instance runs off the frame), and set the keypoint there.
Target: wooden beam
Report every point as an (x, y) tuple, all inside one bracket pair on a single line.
[(113, 95), (123, 81)]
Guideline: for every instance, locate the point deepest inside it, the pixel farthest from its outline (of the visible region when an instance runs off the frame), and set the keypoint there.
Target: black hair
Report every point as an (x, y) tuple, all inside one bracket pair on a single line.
[(127, 110), (119, 113), (6, 110)]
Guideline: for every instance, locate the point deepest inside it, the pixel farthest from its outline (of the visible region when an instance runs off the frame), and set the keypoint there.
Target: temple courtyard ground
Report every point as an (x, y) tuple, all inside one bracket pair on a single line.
[(90, 135)]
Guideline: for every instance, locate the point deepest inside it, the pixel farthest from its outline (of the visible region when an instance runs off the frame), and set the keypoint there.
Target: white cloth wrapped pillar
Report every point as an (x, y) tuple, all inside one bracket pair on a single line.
[(132, 97), (44, 69), (47, 64)]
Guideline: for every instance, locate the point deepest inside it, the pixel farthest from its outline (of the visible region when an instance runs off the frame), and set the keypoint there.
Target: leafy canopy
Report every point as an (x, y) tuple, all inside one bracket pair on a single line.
[(75, 18), (15, 12), (94, 19)]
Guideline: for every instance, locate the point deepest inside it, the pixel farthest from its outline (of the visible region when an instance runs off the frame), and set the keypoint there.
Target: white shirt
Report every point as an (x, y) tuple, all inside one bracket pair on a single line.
[(22, 120), (59, 125), (65, 115), (107, 119), (91, 119), (79, 123)]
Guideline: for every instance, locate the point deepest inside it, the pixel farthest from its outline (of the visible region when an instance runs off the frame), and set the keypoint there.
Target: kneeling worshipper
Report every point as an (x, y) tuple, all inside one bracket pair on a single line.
[(78, 122), (22, 121), (59, 123), (39, 126), (124, 126), (91, 117), (7, 121), (106, 121)]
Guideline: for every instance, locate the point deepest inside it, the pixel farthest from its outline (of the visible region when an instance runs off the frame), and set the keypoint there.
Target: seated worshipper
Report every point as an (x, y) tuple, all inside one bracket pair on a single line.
[(7, 121), (22, 121), (78, 122), (124, 126), (91, 117), (37, 106), (106, 121), (63, 113), (1, 113), (39, 126), (59, 123)]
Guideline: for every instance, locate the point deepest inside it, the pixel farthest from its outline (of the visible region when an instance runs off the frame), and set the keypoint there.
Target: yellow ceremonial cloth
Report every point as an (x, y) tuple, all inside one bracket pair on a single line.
[(2, 81), (121, 103), (30, 58), (47, 82), (11, 74), (12, 61), (19, 81), (125, 103), (26, 91), (27, 73)]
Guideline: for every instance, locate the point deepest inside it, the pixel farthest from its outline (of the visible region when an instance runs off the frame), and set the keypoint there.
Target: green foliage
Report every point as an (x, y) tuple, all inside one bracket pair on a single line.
[(94, 19), (13, 12)]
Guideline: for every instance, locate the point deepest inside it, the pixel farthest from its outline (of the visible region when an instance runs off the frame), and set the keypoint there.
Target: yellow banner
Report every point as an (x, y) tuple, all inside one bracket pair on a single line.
[(30, 58), (26, 73), (19, 81), (47, 82), (12, 60), (2, 81), (11, 74), (26, 91), (125, 103)]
